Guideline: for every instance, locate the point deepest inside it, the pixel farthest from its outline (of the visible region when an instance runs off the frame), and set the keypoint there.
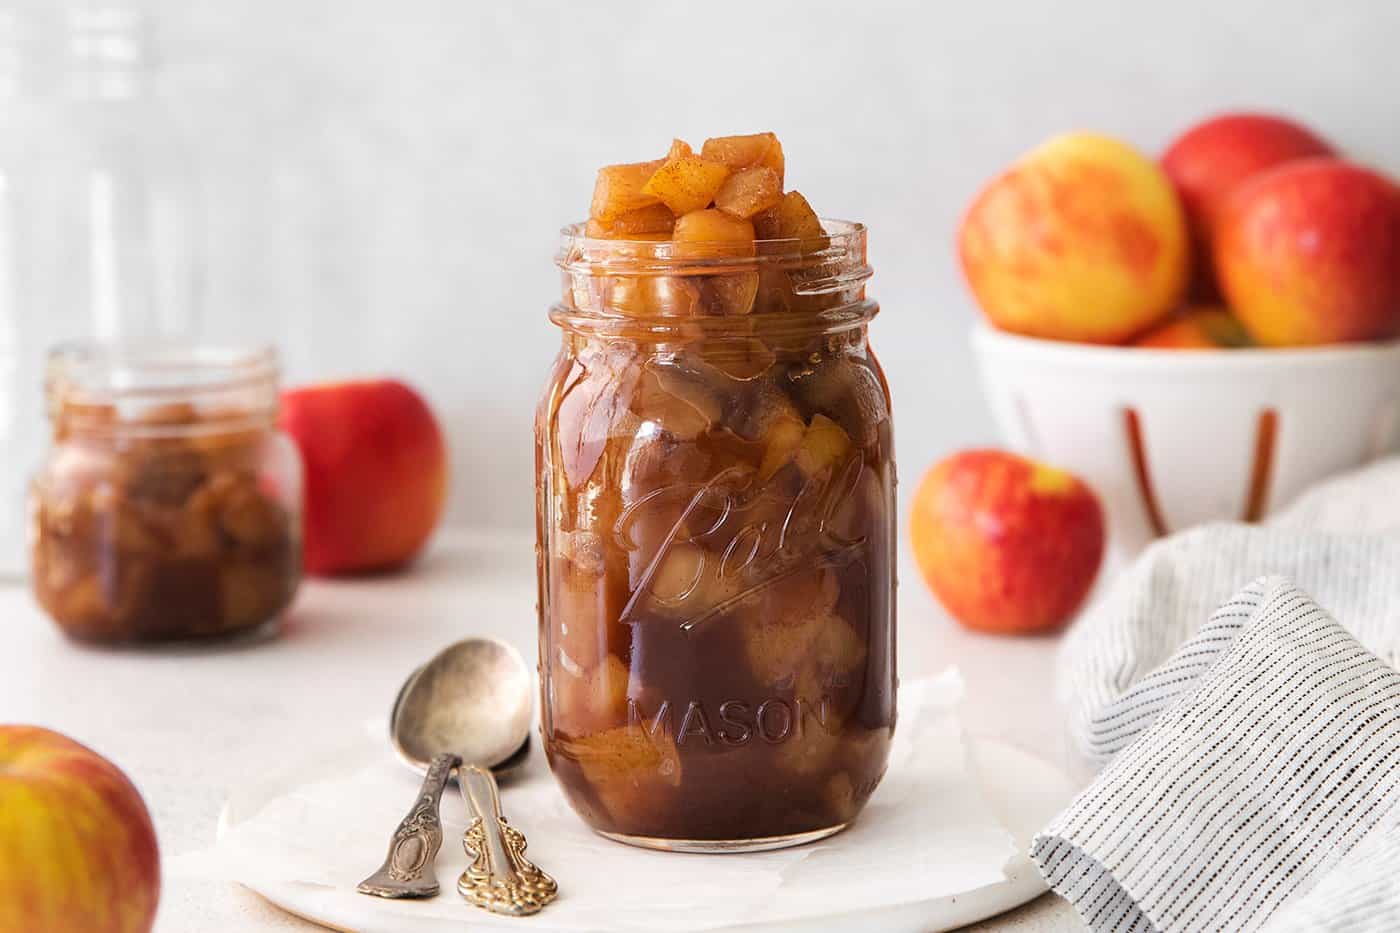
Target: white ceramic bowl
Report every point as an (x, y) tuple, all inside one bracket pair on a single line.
[(1172, 438)]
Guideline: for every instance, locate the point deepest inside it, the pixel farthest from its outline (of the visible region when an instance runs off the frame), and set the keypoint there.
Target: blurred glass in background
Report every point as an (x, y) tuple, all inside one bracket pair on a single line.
[(98, 213)]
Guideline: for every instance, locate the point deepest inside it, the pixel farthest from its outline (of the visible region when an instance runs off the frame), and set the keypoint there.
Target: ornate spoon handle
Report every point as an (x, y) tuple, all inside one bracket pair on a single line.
[(408, 868), (500, 878)]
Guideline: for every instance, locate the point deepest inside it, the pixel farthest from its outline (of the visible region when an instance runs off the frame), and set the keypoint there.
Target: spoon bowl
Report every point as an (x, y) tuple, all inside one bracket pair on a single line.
[(474, 698)]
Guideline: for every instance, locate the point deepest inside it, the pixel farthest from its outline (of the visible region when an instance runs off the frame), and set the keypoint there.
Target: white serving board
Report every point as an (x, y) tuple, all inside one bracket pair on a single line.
[(1023, 790)]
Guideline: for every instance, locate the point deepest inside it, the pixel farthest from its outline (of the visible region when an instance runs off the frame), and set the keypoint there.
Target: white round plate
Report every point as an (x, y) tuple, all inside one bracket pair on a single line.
[(1026, 792)]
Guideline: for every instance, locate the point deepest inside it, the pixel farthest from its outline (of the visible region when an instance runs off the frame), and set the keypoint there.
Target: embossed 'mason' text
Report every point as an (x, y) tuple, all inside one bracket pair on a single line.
[(732, 722)]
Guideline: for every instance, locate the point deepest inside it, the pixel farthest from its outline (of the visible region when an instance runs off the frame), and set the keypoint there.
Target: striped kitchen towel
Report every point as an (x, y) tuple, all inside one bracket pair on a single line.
[(1340, 542), (1254, 750), (1273, 751)]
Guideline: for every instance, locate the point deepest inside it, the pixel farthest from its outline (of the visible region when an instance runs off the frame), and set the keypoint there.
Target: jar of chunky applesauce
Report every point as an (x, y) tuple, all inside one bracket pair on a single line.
[(716, 540), (169, 507)]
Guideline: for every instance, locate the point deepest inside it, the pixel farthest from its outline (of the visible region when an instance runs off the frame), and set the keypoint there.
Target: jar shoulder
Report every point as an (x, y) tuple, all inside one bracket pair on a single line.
[(744, 393)]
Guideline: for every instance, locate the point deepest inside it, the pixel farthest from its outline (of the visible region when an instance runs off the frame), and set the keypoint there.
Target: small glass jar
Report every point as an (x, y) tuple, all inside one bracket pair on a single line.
[(169, 506), (716, 541)]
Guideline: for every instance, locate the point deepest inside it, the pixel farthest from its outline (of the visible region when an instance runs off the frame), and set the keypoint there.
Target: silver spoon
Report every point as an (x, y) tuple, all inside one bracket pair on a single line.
[(472, 702), (504, 771)]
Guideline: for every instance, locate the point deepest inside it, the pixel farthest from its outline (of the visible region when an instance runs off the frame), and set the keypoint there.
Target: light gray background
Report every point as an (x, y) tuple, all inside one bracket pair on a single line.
[(386, 176)]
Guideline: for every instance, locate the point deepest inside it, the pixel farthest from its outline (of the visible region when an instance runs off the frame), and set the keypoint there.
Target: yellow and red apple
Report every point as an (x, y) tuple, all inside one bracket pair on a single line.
[(1008, 545), (1309, 253), (1197, 328), (77, 849), (1208, 161), (376, 473), (1082, 239)]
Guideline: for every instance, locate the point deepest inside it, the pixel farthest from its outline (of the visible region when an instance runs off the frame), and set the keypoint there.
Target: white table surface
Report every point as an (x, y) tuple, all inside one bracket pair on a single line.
[(185, 724)]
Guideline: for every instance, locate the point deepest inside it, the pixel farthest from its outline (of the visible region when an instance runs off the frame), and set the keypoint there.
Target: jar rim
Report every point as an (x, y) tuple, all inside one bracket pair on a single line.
[(580, 253), (830, 271), (126, 377)]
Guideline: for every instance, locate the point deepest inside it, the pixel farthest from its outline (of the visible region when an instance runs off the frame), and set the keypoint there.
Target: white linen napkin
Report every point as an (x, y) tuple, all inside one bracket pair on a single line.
[(1254, 748)]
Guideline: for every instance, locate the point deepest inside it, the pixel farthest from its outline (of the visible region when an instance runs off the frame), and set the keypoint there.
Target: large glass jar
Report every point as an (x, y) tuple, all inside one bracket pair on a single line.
[(716, 541), (169, 507)]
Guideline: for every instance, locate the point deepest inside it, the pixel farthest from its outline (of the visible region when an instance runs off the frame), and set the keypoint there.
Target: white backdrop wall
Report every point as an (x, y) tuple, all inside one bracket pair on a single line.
[(385, 177)]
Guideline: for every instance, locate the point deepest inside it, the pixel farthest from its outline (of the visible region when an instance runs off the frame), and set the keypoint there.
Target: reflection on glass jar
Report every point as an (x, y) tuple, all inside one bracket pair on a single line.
[(716, 542), (169, 506)]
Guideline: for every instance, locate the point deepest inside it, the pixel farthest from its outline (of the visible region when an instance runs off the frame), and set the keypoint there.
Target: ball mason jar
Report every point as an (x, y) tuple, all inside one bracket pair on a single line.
[(169, 506), (716, 541)]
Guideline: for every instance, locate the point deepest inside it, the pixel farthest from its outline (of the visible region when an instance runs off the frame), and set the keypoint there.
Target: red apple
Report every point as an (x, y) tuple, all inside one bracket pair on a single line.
[(1007, 545), (1199, 328), (376, 473), (1081, 239), (77, 849), (1309, 253), (1208, 161)]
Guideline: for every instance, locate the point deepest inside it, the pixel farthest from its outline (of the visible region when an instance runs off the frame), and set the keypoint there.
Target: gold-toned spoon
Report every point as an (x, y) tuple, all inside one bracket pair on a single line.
[(471, 703)]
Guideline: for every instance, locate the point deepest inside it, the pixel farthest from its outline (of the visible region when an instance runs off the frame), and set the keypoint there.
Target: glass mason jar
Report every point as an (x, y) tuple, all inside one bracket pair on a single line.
[(169, 506), (716, 541)]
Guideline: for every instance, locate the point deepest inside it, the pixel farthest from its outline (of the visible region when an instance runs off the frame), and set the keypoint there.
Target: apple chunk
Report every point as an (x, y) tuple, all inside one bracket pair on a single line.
[(686, 183), (618, 189), (749, 191), (712, 234), (739, 152), (791, 218), (653, 222)]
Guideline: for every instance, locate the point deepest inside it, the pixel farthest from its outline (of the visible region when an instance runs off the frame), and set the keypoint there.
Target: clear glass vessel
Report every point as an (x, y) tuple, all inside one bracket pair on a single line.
[(169, 506), (98, 211), (716, 540), (117, 205)]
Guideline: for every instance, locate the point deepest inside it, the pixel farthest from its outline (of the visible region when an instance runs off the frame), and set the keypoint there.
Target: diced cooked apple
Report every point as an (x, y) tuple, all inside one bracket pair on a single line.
[(681, 572), (749, 191), (840, 793), (853, 517), (580, 636), (851, 395), (816, 748), (672, 415), (790, 627), (791, 218), (249, 592), (709, 234), (195, 529), (247, 516), (691, 579), (744, 151), (730, 294), (646, 296), (673, 296), (624, 294), (686, 183), (653, 222), (814, 447), (823, 447), (744, 359), (591, 701), (618, 189), (804, 652), (834, 647), (775, 296), (784, 438), (627, 766), (699, 386)]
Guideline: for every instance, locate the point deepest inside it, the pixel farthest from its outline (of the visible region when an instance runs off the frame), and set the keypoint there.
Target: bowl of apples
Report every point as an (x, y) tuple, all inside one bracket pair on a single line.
[(1199, 337)]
